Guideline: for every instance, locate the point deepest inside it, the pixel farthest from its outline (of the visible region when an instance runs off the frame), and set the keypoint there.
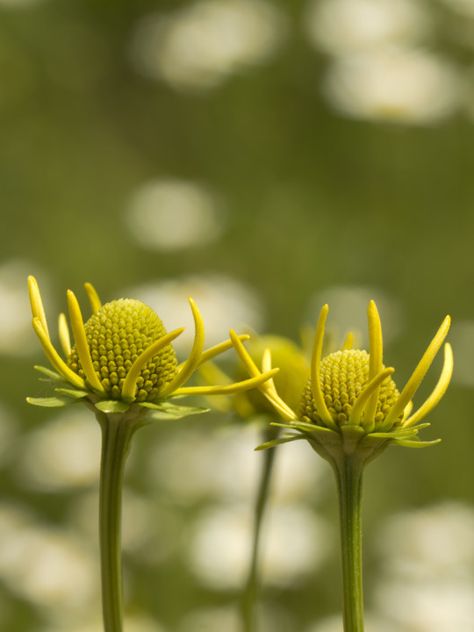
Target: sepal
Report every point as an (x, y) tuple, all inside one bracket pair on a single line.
[(73, 393), (50, 402), (112, 406), (50, 376), (166, 410)]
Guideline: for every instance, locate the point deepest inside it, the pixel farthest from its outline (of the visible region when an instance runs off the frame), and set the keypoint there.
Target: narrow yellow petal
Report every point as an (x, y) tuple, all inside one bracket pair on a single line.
[(82, 347), (54, 357), (93, 297), (64, 337), (270, 392), (193, 361), (315, 368), (244, 355), (216, 350), (129, 387), (272, 395), (37, 308), (419, 373), (348, 341), (407, 410), (361, 402), (228, 389), (375, 356), (438, 391)]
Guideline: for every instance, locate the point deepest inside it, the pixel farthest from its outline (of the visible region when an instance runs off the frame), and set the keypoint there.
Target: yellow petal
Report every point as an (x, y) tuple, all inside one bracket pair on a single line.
[(419, 373), (228, 389), (316, 366), (54, 357), (64, 337), (375, 357), (93, 297), (129, 387), (192, 363), (82, 346), (361, 401), (438, 391), (37, 308)]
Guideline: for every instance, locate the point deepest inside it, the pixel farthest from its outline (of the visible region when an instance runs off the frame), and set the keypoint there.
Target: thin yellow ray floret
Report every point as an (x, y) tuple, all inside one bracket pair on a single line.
[(316, 369), (37, 307), (228, 389), (93, 297), (371, 388), (129, 387), (192, 363), (375, 356), (64, 337), (349, 341), (216, 350), (280, 406), (438, 391), (54, 357), (82, 346), (419, 373)]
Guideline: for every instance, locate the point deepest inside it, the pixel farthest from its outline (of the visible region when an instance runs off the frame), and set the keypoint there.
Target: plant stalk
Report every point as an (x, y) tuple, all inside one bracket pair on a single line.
[(117, 432), (348, 471), (251, 588)]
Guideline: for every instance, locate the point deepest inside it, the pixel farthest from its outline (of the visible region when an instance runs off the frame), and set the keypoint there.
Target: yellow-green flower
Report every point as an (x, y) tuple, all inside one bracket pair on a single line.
[(122, 358), (290, 381), (351, 402)]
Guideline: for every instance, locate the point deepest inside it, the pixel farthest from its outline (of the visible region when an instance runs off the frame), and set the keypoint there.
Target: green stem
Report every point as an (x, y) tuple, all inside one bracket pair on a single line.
[(251, 588), (116, 435), (349, 482)]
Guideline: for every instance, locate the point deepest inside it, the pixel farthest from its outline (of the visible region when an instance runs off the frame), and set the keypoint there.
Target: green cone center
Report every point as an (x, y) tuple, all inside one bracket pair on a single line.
[(344, 374), (117, 334)]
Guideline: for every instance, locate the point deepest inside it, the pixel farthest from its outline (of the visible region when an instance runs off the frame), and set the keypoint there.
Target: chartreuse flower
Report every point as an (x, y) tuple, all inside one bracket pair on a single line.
[(121, 364), (351, 411), (251, 405)]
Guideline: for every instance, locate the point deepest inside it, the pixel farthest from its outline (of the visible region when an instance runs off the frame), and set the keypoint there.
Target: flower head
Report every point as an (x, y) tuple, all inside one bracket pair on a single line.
[(122, 357), (351, 401), (290, 381)]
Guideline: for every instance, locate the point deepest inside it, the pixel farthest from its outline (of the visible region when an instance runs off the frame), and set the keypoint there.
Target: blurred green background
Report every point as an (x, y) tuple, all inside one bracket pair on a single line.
[(264, 157)]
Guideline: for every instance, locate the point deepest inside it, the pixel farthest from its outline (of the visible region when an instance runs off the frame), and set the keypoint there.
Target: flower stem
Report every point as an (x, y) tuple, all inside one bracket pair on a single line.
[(251, 588), (348, 471), (116, 435)]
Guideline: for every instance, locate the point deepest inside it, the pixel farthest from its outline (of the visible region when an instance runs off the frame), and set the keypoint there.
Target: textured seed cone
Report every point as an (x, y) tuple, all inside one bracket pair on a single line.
[(344, 374), (117, 334)]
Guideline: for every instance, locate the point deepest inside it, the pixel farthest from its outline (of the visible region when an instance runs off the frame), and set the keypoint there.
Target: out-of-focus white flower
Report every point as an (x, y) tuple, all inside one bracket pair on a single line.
[(222, 619), (148, 532), (294, 543), (61, 454), (223, 301), (396, 85), (432, 542), (224, 466), (372, 622), (351, 26), (174, 214), (198, 46), (135, 623), (50, 568), (427, 583)]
